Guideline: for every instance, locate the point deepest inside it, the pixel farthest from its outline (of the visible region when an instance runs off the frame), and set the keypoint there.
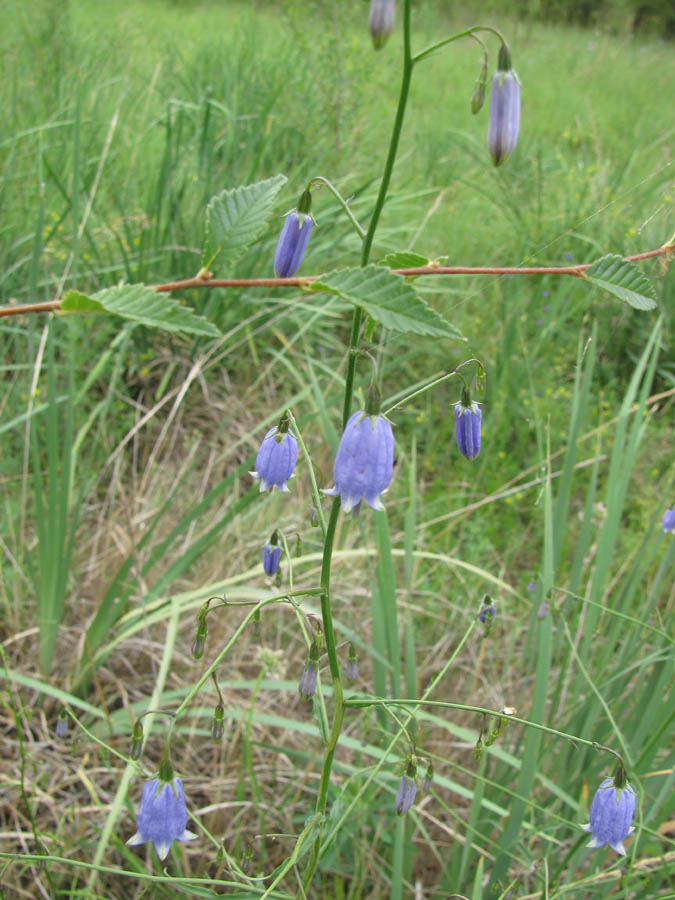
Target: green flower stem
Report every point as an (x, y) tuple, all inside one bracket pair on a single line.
[(341, 200), (362, 703), (431, 384), (469, 32), (194, 690), (331, 649)]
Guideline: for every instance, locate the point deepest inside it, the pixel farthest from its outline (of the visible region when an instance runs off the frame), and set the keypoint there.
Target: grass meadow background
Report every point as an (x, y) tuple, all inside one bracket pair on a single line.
[(125, 495)]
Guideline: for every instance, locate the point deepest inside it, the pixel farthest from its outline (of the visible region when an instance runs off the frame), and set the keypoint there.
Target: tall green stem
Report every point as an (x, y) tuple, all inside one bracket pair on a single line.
[(329, 633)]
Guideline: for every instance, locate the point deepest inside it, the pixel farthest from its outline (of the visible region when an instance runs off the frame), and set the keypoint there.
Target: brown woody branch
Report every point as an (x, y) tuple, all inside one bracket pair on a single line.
[(576, 271)]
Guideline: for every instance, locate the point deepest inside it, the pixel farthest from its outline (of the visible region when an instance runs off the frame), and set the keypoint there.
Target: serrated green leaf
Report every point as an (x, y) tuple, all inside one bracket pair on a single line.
[(235, 218), (623, 280), (387, 298), (403, 259), (141, 304)]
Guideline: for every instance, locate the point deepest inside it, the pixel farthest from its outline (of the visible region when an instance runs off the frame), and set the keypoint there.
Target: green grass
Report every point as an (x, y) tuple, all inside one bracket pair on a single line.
[(124, 490)]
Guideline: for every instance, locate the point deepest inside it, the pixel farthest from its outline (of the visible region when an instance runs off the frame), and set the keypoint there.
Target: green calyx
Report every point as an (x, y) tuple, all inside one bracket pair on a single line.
[(304, 203), (165, 769), (504, 62)]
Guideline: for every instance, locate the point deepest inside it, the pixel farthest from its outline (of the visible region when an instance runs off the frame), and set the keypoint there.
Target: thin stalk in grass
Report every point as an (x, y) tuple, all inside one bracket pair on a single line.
[(319, 179), (363, 702)]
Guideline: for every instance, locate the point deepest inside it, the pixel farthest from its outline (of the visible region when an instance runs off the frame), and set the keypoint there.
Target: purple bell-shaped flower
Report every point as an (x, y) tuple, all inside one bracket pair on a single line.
[(467, 426), (162, 816), (276, 459), (364, 463), (668, 523), (611, 815)]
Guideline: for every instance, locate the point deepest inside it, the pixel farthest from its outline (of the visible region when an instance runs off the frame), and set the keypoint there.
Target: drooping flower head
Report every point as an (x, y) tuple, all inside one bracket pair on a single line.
[(61, 729), (293, 238), (307, 684), (504, 121), (271, 555), (381, 21), (488, 611), (407, 788), (162, 815), (276, 458), (668, 523), (352, 664), (364, 463), (611, 814), (468, 417)]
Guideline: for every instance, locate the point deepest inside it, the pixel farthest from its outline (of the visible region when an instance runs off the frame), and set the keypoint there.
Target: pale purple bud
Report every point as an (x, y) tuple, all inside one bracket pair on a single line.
[(381, 21), (406, 794), (307, 684), (504, 121), (292, 244), (668, 523), (467, 428), (271, 557)]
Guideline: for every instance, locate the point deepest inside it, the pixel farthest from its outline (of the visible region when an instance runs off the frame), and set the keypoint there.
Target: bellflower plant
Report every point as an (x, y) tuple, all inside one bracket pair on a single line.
[(668, 523), (276, 459), (611, 814), (162, 815), (381, 21), (504, 121), (467, 426), (364, 463)]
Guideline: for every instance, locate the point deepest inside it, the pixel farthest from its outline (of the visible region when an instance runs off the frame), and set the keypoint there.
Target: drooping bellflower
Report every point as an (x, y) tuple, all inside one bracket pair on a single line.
[(162, 816), (611, 815), (468, 417), (307, 684), (381, 21), (406, 794), (504, 121), (276, 460), (364, 463), (271, 557), (488, 610), (292, 243), (668, 523)]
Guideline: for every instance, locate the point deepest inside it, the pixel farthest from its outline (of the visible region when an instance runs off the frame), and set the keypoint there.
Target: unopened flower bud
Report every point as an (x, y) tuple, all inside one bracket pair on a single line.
[(428, 777), (218, 724), (271, 557), (256, 623), (468, 417), (504, 121), (292, 244), (199, 642), (136, 740), (478, 750), (488, 612), (352, 664), (61, 729), (478, 96), (381, 21), (406, 789)]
